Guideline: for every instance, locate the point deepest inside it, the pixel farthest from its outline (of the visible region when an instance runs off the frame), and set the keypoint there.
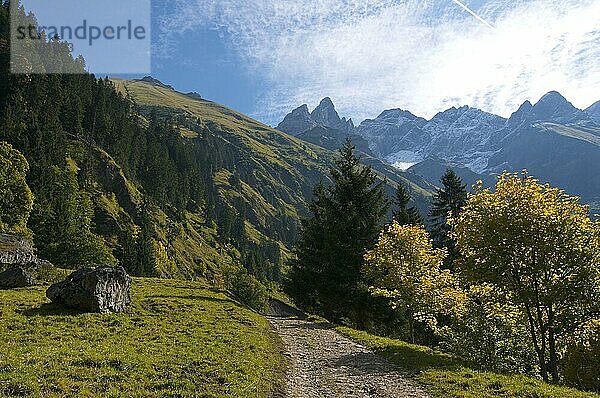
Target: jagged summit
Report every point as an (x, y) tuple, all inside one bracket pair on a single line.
[(554, 107), (397, 113), (324, 115), (525, 107), (297, 121), (521, 114)]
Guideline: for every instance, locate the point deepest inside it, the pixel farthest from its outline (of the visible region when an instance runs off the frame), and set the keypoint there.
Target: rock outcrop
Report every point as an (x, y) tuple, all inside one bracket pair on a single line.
[(102, 290), (297, 121), (15, 250), (16, 277)]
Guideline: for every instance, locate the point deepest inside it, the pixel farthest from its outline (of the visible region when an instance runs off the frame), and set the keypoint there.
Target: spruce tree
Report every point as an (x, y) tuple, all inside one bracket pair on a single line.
[(448, 200), (346, 219), (405, 215)]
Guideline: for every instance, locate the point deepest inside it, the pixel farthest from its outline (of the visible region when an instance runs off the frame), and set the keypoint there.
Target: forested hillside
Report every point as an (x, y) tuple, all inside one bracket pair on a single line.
[(164, 183)]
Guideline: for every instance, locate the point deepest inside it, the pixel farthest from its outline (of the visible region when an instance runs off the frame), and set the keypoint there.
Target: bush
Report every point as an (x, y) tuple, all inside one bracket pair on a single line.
[(490, 333), (16, 199), (247, 289), (580, 365)]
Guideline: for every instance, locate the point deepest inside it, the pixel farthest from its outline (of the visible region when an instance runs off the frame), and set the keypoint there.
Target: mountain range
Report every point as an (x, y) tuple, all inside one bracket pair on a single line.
[(552, 139)]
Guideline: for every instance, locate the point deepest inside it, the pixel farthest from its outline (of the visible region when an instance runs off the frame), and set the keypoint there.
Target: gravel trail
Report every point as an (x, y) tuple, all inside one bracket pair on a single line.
[(325, 364)]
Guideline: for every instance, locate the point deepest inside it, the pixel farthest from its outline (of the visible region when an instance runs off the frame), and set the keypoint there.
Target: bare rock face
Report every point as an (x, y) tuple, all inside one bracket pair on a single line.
[(16, 277), (103, 290)]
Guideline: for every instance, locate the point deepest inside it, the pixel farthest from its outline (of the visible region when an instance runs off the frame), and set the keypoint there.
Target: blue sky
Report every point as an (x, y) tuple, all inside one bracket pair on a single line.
[(265, 57)]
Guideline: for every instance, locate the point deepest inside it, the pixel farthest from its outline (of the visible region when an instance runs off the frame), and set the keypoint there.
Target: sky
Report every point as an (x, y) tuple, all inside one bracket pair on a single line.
[(266, 57)]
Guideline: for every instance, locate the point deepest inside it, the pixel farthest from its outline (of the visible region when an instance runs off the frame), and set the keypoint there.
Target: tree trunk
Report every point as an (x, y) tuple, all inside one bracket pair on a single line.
[(553, 363), (411, 326), (540, 350)]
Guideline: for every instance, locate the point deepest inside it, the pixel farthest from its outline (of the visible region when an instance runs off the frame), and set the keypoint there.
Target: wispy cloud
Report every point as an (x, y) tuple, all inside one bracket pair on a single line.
[(422, 55)]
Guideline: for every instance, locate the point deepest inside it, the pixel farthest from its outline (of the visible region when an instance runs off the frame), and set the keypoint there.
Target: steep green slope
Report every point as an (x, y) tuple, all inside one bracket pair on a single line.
[(262, 175), (179, 339), (280, 168), (190, 241)]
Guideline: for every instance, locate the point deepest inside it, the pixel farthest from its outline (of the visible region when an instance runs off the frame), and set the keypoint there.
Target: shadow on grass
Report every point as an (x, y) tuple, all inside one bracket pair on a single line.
[(197, 297), (416, 360), (279, 309), (363, 364), (50, 309), (410, 358)]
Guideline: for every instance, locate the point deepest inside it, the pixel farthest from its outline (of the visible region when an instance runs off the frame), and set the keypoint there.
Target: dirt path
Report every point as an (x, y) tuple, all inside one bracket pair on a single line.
[(325, 364)]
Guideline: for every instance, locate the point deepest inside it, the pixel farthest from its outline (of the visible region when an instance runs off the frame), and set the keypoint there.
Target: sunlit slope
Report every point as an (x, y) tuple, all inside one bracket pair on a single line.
[(276, 171)]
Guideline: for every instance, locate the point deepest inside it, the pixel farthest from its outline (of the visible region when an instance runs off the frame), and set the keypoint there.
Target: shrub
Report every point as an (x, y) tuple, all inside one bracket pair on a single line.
[(490, 333), (247, 289), (580, 365)]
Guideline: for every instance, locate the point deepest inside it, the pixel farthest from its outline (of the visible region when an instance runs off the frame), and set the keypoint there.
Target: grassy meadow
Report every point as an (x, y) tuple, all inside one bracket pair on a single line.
[(179, 339)]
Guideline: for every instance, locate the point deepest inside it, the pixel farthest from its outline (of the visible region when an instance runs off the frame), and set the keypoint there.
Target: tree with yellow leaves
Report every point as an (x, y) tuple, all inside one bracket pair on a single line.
[(405, 268), (539, 246)]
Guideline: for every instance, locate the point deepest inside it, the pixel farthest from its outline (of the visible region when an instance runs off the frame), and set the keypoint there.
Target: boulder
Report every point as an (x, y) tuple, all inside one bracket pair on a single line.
[(16, 277), (17, 251), (103, 290)]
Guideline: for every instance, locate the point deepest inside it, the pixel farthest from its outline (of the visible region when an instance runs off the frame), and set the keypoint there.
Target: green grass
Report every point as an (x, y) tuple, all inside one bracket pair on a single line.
[(444, 376), (178, 340)]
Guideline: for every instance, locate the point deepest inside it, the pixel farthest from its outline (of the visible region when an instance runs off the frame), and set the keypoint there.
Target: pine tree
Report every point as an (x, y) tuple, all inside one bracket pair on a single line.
[(405, 215), (449, 200), (346, 220)]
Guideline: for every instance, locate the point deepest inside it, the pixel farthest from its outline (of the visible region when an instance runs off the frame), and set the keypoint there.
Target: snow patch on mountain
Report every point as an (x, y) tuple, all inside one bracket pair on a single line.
[(404, 160)]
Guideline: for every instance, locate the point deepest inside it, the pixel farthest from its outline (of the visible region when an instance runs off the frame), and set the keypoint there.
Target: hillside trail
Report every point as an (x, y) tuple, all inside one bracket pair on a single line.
[(325, 364)]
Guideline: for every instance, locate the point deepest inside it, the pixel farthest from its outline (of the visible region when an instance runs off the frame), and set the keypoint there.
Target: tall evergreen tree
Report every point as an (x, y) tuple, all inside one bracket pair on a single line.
[(406, 215), (448, 200), (346, 220)]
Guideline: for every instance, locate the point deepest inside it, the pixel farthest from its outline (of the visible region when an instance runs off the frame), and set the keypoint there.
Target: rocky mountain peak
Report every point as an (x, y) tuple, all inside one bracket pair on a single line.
[(302, 110), (520, 114), (397, 113), (553, 107), (297, 121), (449, 115), (594, 112), (325, 115), (553, 97)]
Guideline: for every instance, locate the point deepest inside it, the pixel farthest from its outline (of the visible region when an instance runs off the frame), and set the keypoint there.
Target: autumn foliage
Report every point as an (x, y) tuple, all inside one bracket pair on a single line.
[(538, 246), (405, 268)]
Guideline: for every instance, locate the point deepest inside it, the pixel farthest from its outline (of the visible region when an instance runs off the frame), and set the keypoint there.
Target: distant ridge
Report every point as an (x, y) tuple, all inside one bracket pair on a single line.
[(154, 81), (594, 112)]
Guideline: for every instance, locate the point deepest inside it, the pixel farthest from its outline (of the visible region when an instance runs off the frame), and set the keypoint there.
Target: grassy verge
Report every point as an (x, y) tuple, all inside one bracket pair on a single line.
[(444, 376), (178, 340)]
